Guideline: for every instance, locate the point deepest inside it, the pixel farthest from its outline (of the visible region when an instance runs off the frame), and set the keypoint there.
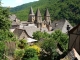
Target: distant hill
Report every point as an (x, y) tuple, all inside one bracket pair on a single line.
[(59, 9)]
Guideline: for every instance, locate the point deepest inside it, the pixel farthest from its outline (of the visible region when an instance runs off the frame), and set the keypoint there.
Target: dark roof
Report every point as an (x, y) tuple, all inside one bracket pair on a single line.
[(18, 32), (31, 11), (58, 24), (47, 13), (72, 30), (38, 12)]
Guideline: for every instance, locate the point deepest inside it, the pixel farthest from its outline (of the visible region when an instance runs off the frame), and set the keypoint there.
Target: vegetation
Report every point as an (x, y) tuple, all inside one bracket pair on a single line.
[(5, 34), (50, 42), (69, 9), (30, 54)]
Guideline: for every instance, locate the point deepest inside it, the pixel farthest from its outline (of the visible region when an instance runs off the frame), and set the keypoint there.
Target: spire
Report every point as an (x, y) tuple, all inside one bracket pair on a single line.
[(31, 11), (38, 12), (47, 13)]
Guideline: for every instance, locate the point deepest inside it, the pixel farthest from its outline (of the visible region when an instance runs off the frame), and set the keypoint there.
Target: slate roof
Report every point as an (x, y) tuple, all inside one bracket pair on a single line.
[(38, 12), (47, 13), (31, 11), (18, 32), (30, 30), (58, 24)]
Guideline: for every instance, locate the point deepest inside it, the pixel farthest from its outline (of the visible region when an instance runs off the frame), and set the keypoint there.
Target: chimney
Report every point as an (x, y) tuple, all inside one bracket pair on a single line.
[(56, 24), (68, 28)]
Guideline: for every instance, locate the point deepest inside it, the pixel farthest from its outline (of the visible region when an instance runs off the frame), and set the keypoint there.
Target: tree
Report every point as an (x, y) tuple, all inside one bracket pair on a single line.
[(40, 35), (4, 19), (61, 38), (5, 24), (30, 54), (49, 47)]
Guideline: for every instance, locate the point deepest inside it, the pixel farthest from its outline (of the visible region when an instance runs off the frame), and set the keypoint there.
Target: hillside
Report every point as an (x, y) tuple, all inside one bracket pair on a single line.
[(59, 9)]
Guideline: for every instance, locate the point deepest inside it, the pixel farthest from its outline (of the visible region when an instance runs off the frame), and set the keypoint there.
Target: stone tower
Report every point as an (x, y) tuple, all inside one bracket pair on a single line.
[(47, 19), (31, 17), (38, 18)]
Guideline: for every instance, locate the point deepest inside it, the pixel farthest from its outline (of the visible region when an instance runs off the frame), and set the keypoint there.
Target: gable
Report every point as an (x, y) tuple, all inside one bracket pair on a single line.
[(64, 29), (23, 35)]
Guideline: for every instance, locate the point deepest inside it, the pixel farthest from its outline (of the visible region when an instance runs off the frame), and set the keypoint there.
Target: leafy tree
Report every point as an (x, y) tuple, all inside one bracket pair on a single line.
[(6, 36), (61, 38), (19, 54), (49, 47), (50, 44), (4, 20), (40, 35), (2, 49), (22, 44), (5, 24), (30, 54)]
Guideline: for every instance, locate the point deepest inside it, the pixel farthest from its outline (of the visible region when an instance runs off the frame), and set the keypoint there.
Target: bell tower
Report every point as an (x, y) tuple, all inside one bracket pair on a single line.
[(38, 18), (31, 17), (47, 19)]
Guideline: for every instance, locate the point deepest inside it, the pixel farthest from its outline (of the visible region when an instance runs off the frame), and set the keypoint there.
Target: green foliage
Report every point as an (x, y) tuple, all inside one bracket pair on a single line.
[(22, 44), (4, 21), (50, 43), (61, 38), (30, 54), (19, 53), (6, 36), (40, 35), (49, 46), (2, 48)]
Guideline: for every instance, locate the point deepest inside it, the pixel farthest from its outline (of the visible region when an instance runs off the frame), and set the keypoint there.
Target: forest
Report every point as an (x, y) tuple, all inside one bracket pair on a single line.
[(59, 9)]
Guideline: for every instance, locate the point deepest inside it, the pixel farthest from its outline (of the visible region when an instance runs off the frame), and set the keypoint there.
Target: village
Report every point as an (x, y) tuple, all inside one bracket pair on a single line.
[(25, 30)]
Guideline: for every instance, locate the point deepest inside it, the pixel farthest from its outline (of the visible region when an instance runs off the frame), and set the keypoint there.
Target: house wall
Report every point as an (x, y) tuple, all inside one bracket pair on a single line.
[(74, 41), (23, 36), (64, 29)]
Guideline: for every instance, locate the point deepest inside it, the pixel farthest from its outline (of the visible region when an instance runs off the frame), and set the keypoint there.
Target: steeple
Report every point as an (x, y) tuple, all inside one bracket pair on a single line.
[(47, 17), (31, 17), (38, 18), (31, 11), (47, 13), (38, 12)]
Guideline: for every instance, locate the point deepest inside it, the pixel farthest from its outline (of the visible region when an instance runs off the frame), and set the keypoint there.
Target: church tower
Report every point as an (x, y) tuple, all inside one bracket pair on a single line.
[(47, 19), (38, 18), (31, 17)]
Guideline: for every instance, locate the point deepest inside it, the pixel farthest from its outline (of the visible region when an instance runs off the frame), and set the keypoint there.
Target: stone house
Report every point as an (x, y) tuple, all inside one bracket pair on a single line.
[(21, 34), (62, 25)]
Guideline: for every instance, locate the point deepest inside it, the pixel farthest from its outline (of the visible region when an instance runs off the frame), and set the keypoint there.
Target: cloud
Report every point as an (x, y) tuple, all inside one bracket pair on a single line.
[(19, 1)]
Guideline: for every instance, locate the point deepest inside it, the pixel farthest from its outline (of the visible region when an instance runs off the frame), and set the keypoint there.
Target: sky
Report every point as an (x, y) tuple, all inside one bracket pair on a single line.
[(14, 3)]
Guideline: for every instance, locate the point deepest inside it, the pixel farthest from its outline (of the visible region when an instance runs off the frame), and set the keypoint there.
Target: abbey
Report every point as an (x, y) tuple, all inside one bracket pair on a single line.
[(37, 19)]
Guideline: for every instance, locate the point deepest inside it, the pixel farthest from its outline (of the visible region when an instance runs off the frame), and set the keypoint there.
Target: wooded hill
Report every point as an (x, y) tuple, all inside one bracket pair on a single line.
[(59, 9)]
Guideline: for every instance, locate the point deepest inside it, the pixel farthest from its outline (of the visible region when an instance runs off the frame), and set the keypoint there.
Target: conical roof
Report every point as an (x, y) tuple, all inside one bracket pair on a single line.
[(31, 11), (47, 13), (38, 12)]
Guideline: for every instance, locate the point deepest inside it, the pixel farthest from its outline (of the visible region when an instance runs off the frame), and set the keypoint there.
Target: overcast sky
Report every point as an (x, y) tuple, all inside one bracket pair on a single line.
[(14, 3)]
